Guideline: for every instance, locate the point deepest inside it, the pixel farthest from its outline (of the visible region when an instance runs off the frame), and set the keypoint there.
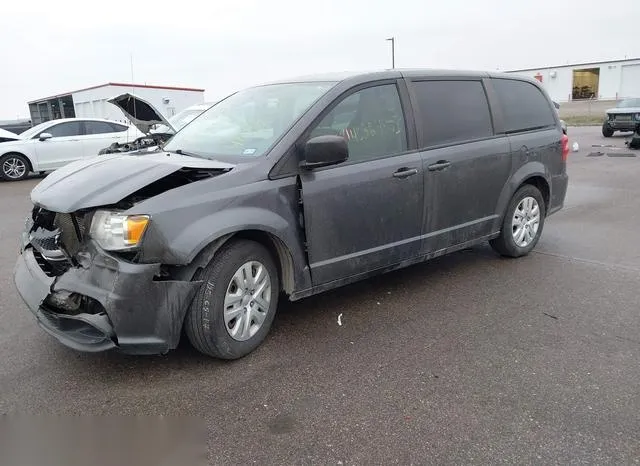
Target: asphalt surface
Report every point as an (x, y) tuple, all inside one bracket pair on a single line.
[(467, 359)]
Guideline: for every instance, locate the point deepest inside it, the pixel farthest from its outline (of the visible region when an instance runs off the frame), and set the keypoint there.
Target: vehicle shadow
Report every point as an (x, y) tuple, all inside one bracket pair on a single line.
[(297, 325)]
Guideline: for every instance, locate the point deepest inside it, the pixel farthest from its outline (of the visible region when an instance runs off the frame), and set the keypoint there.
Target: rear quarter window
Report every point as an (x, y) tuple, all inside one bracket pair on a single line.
[(524, 106), (118, 128)]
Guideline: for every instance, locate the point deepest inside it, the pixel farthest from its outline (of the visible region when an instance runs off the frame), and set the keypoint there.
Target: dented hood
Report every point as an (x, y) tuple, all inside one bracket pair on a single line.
[(108, 179), (141, 113)]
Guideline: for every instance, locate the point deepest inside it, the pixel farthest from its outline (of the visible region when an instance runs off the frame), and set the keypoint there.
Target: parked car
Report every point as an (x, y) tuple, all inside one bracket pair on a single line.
[(53, 144), (151, 123), (294, 187), (623, 117)]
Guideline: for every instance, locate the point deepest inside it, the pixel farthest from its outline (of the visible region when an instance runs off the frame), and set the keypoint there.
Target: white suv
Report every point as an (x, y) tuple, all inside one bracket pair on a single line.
[(55, 143)]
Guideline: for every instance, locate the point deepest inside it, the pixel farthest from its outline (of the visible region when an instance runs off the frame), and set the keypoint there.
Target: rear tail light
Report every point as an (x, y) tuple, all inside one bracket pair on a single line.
[(565, 147)]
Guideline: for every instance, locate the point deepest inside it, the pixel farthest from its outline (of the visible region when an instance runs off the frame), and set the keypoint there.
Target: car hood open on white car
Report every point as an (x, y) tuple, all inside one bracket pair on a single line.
[(141, 113), (4, 134)]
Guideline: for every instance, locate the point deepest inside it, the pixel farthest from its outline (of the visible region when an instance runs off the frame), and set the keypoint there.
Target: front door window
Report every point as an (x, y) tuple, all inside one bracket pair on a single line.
[(372, 122)]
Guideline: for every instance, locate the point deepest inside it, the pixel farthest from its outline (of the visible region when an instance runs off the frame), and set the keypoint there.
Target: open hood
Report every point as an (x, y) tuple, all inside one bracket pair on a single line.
[(8, 136), (141, 113), (106, 180)]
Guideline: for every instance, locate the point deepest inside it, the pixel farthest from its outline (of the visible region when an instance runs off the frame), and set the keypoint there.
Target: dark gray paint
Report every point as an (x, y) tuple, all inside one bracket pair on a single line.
[(346, 223), (345, 235)]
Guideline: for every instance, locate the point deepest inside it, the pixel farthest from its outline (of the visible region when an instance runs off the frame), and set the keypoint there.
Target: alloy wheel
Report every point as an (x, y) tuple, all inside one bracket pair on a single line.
[(247, 300), (14, 168), (526, 221)]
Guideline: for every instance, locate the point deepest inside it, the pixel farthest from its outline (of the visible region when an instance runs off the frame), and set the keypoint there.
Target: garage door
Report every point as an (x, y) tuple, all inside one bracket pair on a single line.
[(630, 85)]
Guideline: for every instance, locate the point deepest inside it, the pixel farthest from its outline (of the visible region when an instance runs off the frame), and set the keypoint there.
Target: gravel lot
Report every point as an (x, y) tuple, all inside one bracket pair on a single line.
[(467, 359)]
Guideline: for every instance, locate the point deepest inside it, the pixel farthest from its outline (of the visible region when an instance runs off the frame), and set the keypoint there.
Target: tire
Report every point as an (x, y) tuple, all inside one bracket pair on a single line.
[(14, 167), (607, 131), (205, 324), (506, 244)]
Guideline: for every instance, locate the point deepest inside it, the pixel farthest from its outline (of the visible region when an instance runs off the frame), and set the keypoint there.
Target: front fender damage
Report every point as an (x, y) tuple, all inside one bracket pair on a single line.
[(104, 302)]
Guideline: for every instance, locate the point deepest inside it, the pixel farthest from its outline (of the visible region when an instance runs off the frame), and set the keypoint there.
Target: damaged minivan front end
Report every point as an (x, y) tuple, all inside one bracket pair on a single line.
[(82, 269)]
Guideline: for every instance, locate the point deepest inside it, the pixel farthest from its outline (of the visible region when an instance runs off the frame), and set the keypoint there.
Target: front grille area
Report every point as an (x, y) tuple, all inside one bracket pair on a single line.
[(56, 238), (46, 266), (70, 234)]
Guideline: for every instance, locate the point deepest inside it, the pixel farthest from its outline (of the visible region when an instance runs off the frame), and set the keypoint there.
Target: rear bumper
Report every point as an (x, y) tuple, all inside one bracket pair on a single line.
[(122, 305), (559, 185)]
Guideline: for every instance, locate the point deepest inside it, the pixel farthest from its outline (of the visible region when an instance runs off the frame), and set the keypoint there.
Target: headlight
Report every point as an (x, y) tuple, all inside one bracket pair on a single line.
[(115, 232), (638, 116)]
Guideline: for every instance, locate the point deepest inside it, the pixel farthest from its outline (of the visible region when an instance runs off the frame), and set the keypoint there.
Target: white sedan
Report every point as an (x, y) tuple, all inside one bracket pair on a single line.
[(55, 143)]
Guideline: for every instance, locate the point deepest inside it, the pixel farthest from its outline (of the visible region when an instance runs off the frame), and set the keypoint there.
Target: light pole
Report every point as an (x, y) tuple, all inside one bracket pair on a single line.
[(393, 51)]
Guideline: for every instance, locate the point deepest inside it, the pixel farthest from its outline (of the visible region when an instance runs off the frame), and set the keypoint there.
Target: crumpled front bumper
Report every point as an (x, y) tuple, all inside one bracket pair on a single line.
[(131, 308)]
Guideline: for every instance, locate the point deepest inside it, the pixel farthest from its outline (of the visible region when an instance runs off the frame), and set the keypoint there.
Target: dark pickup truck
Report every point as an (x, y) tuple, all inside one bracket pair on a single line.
[(287, 189)]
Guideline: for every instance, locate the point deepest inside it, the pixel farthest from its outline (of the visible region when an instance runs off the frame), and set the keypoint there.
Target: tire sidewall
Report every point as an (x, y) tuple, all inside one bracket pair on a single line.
[(211, 307), (24, 160), (507, 227), (607, 131)]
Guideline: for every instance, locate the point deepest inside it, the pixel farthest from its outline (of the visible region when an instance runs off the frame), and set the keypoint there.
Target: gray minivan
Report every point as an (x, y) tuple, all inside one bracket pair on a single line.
[(287, 189)]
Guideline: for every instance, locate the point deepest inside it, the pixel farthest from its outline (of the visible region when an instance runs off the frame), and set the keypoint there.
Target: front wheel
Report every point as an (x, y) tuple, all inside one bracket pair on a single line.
[(607, 131), (522, 224), (14, 167), (233, 311)]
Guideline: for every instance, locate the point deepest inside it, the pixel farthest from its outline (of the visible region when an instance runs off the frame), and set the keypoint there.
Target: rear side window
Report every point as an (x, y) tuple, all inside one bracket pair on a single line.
[(523, 105), (453, 111), (117, 128), (98, 127)]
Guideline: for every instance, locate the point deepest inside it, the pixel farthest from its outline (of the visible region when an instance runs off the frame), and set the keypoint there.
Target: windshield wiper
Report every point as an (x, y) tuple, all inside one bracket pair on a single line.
[(188, 154)]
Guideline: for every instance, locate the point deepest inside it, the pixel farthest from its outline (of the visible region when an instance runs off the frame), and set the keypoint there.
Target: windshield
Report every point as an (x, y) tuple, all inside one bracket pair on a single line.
[(248, 122), (31, 132), (627, 103)]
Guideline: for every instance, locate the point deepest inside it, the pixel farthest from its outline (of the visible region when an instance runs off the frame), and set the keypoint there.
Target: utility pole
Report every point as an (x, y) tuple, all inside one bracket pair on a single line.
[(393, 51)]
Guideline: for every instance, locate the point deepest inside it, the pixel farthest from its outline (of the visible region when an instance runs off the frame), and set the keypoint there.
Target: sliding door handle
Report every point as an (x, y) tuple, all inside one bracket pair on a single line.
[(439, 165)]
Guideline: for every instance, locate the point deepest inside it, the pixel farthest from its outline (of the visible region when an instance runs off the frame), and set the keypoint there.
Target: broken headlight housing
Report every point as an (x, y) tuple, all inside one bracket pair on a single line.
[(114, 231)]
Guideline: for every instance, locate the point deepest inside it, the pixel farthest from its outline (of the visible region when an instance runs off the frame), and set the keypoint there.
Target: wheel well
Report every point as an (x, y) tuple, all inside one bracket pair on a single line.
[(279, 252), (18, 153), (542, 185)]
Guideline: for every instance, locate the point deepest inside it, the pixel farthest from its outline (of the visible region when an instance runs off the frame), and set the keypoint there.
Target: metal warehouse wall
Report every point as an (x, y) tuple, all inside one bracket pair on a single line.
[(93, 102), (617, 80)]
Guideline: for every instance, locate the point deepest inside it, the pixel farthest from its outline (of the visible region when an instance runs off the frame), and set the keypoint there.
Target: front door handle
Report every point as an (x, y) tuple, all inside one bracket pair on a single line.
[(405, 172), (439, 165)]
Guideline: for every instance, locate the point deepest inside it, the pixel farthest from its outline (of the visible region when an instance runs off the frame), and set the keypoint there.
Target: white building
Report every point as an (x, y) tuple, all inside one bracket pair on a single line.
[(603, 80), (92, 102)]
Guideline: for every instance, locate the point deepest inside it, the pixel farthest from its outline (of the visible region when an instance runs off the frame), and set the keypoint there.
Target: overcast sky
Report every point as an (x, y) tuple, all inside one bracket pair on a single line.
[(54, 47)]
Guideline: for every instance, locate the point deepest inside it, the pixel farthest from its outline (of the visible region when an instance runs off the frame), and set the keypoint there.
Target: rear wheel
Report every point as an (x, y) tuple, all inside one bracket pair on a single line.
[(522, 224), (14, 167), (233, 311), (607, 131)]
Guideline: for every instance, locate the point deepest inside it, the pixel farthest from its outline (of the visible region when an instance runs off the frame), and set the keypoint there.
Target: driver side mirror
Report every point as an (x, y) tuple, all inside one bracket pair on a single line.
[(45, 136), (323, 151)]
